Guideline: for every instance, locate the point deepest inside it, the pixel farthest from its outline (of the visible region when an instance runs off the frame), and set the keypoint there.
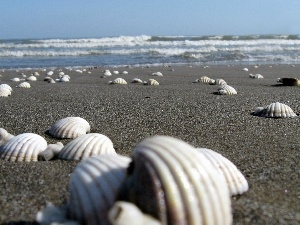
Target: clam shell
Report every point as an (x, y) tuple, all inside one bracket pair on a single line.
[(157, 74), (275, 110), (118, 81), (6, 86), (170, 180), (23, 147), (64, 79), (4, 92), (87, 145), (16, 79), (94, 187), (236, 181), (70, 127), (24, 85), (31, 78), (226, 90), (136, 80), (36, 74), (151, 82)]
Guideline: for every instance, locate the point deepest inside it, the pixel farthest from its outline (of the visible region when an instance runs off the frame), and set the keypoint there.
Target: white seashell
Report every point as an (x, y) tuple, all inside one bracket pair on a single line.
[(94, 187), (245, 69), (226, 90), (70, 127), (107, 73), (4, 92), (256, 76), (16, 79), (35, 74), (136, 80), (6, 86), (64, 79), (87, 145), (51, 152), (50, 73), (23, 147), (67, 76), (31, 78), (4, 136), (124, 72), (205, 79), (115, 72), (118, 81), (123, 213), (78, 71), (170, 180), (151, 82), (275, 110), (157, 74), (219, 82), (61, 74), (24, 85), (236, 182)]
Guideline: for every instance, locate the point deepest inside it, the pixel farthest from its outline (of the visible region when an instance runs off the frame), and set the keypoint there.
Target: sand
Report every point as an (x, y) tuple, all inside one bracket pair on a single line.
[(266, 150)]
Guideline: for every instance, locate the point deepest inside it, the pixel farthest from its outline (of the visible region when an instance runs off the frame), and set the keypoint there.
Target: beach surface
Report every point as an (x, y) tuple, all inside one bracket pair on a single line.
[(265, 150)]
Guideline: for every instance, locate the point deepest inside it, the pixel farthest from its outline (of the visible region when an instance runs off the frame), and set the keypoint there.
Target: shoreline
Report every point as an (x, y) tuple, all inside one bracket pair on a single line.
[(266, 150)]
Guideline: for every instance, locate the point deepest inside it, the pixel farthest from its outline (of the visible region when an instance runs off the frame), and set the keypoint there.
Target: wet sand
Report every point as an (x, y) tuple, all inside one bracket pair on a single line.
[(266, 150)]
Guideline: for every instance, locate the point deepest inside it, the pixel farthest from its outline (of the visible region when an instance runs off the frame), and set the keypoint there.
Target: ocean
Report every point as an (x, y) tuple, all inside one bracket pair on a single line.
[(149, 51)]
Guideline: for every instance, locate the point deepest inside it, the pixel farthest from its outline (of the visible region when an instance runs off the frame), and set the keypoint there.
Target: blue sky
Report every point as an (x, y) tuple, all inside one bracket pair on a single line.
[(97, 18)]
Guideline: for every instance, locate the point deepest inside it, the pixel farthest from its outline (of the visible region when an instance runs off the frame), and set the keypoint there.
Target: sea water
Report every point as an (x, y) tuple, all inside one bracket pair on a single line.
[(149, 50)]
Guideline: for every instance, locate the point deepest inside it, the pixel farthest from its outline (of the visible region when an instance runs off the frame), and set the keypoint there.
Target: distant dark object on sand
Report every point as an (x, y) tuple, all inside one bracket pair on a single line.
[(289, 81)]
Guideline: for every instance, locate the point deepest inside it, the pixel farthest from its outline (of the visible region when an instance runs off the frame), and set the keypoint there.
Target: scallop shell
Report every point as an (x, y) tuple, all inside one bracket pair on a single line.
[(220, 82), (6, 86), (204, 79), (23, 147), (4, 92), (24, 85), (226, 90), (64, 79), (151, 82), (94, 187), (236, 181), (136, 80), (159, 74), (170, 180), (4, 136), (70, 127), (118, 81), (275, 110), (87, 145), (31, 78)]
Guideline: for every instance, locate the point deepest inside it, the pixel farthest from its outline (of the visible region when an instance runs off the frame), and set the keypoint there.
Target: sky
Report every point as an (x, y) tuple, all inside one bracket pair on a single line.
[(23, 19)]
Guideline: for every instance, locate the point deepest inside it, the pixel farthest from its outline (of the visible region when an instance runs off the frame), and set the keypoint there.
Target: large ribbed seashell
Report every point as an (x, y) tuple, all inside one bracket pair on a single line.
[(204, 79), (136, 80), (70, 127), (94, 187), (4, 92), (151, 82), (87, 145), (24, 85), (31, 78), (220, 82), (118, 81), (275, 110), (4, 136), (236, 181), (226, 90), (23, 147), (6, 86), (170, 180), (123, 213)]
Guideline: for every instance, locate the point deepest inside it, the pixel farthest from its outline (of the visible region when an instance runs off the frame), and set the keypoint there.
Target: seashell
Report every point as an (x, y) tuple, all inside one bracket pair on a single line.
[(50, 73), (182, 187), (24, 85), (60, 74), (226, 90), (256, 76), (87, 145), (94, 187), (124, 72), (219, 82), (67, 76), (289, 81), (79, 71), (35, 74), (127, 213), (64, 79), (31, 78), (136, 80), (151, 82), (70, 127), (4, 92), (4, 136), (16, 79), (204, 79), (51, 152), (245, 69), (23, 147), (47, 78), (51, 81), (118, 81), (236, 182), (107, 73), (115, 72), (275, 110), (157, 74), (6, 86)]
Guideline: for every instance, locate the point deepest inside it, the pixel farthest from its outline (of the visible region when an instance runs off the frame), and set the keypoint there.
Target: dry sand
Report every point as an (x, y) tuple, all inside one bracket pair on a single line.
[(265, 150)]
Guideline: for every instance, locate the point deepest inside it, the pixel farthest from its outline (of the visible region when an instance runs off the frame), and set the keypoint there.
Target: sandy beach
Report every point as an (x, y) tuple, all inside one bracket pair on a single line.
[(266, 150)]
